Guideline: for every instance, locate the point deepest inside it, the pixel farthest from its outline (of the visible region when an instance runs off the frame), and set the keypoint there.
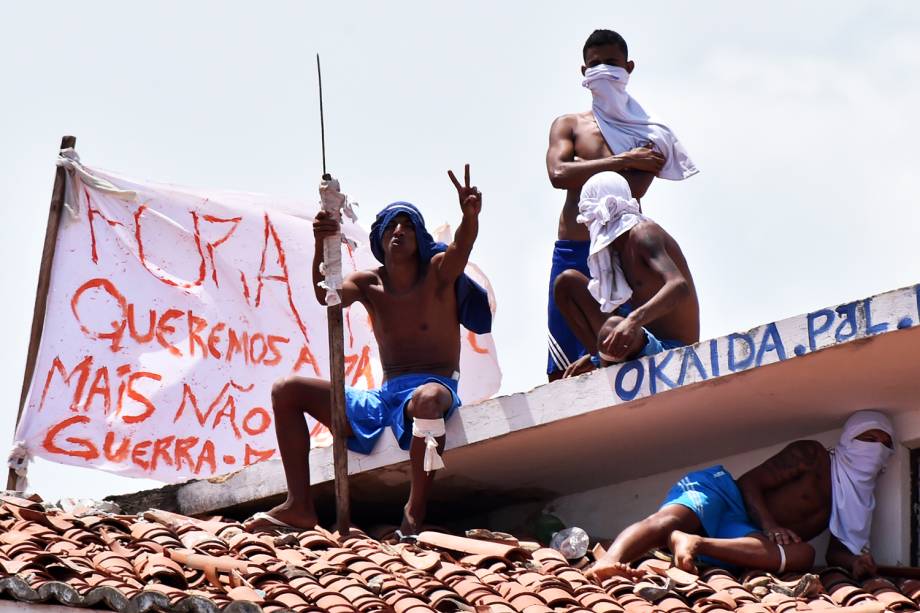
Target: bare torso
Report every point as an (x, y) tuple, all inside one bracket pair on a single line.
[(417, 330), (804, 505), (682, 323), (590, 145)]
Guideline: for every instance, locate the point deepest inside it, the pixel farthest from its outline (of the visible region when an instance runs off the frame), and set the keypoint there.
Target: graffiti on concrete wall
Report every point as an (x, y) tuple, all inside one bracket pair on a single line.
[(768, 344)]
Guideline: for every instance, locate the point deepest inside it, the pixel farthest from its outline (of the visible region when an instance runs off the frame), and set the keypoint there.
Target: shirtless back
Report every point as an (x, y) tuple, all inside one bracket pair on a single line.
[(790, 496), (792, 490), (645, 269), (663, 299)]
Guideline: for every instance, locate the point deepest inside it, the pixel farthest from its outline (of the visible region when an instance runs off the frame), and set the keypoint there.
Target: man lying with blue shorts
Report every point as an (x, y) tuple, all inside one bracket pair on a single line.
[(640, 298), (764, 519), (416, 301)]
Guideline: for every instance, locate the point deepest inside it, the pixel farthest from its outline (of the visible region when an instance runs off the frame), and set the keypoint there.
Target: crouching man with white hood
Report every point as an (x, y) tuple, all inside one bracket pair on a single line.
[(640, 298), (764, 519)]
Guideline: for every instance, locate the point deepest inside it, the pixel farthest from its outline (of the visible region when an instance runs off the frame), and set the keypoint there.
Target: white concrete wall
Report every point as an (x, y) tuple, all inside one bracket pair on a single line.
[(604, 511), (773, 382)]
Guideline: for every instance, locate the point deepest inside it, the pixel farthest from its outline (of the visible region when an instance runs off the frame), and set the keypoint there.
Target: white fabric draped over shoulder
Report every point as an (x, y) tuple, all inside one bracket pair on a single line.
[(626, 125)]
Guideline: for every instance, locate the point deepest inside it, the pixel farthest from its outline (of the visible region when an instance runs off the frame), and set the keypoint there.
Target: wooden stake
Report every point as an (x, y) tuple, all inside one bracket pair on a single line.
[(906, 572), (336, 369), (41, 293), (339, 423)]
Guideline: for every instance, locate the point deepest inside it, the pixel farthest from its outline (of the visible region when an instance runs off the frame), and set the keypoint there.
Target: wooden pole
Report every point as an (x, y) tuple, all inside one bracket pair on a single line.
[(905, 572), (41, 293), (339, 423)]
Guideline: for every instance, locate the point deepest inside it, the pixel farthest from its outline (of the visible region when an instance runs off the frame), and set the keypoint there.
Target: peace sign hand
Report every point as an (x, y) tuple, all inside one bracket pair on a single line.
[(470, 197)]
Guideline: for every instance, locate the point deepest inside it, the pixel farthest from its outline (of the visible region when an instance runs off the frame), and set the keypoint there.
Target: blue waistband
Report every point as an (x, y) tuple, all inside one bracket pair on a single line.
[(576, 246), (417, 379)]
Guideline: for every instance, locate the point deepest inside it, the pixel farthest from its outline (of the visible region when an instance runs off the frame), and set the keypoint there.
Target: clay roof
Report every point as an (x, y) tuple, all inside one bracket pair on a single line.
[(161, 561)]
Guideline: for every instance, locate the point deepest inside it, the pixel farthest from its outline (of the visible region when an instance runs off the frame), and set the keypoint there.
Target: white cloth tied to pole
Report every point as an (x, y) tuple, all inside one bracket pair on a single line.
[(335, 203), (70, 160), (626, 125), (609, 210), (430, 429), (855, 466), (18, 461)]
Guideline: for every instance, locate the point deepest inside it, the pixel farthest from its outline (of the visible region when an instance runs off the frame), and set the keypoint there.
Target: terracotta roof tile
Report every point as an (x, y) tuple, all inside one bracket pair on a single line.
[(164, 561)]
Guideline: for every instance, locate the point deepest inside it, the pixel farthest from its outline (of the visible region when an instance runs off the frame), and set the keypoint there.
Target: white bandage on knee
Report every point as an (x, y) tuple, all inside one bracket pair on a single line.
[(429, 429), (782, 560)]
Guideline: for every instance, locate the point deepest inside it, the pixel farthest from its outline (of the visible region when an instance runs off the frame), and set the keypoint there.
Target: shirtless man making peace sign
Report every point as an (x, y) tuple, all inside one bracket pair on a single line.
[(412, 300)]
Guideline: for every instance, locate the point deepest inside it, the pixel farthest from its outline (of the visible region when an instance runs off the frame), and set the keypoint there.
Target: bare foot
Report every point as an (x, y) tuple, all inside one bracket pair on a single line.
[(604, 569), (411, 522), (684, 547), (287, 515)]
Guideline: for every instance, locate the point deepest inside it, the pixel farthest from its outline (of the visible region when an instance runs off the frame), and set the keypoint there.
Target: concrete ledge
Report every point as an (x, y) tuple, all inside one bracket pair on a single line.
[(774, 382)]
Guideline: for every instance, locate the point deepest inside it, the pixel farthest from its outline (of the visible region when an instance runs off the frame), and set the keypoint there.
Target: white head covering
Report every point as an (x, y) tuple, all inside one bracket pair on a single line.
[(855, 466), (625, 124), (609, 210)]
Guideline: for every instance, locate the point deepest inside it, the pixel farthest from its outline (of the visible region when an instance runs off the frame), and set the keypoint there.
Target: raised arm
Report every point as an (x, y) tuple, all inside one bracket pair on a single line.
[(788, 465), (453, 262), (324, 226), (639, 166), (675, 287)]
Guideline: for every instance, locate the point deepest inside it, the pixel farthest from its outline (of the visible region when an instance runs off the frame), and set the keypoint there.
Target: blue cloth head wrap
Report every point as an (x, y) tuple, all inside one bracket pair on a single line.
[(472, 299)]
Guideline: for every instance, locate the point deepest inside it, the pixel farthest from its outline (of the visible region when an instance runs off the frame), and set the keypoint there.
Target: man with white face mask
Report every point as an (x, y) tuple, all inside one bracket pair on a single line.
[(764, 519), (615, 135)]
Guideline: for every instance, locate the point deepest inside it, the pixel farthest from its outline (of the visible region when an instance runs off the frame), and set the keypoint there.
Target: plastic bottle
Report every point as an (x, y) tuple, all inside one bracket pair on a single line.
[(570, 542)]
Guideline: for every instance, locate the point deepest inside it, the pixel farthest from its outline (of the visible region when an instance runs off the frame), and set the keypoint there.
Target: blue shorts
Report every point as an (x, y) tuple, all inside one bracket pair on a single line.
[(654, 345), (714, 497), (564, 347), (369, 412)]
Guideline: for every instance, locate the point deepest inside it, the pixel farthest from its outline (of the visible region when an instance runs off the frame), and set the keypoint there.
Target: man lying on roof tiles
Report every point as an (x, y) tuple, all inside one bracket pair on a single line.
[(764, 519), (416, 301)]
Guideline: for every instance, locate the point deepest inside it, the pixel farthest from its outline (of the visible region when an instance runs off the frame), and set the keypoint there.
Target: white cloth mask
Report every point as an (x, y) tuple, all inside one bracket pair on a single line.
[(855, 466), (626, 125)]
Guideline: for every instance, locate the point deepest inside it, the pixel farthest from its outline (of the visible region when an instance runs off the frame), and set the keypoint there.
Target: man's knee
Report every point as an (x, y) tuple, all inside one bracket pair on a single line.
[(282, 393), (430, 401), (664, 522), (608, 326), (604, 333), (674, 517), (292, 393), (567, 282)]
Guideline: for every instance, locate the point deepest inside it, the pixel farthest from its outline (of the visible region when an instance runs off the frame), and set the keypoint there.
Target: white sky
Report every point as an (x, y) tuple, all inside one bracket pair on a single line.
[(801, 116)]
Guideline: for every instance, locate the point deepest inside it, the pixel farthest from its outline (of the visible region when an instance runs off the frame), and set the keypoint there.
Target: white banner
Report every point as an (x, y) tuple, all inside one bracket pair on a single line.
[(171, 313)]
